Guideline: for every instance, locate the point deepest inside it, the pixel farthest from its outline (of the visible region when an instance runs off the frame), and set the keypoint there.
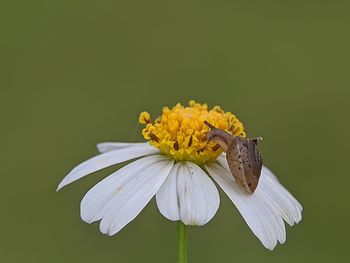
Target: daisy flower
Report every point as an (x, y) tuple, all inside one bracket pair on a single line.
[(179, 166)]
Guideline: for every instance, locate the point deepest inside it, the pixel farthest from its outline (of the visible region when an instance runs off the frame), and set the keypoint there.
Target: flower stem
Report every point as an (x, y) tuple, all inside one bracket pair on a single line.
[(182, 243)]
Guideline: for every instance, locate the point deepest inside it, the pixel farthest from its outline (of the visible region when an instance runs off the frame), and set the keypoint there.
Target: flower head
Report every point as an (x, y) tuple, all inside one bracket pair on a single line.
[(180, 132), (178, 166)]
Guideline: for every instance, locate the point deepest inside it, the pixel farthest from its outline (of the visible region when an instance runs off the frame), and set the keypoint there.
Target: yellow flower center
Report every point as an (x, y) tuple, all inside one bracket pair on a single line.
[(181, 133)]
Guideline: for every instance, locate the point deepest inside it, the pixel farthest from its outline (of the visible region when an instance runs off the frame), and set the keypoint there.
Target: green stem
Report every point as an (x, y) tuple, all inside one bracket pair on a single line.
[(182, 243)]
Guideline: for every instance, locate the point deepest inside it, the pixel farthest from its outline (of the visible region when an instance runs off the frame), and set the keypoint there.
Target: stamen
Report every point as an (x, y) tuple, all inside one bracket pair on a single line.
[(145, 118), (154, 137), (190, 141)]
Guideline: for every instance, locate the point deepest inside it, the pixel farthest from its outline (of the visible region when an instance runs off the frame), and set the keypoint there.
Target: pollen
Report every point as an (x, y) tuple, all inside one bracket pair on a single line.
[(180, 132)]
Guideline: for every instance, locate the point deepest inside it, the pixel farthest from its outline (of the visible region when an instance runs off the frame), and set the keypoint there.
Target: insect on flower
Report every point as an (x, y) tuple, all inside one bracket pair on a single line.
[(179, 165), (242, 155)]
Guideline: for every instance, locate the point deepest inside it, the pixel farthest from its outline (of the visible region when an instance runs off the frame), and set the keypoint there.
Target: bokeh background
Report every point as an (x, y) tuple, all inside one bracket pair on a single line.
[(75, 73)]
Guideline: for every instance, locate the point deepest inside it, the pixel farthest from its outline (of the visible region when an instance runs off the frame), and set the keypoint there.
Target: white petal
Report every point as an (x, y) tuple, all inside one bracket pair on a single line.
[(110, 146), (167, 198), (280, 199), (198, 196), (106, 159), (119, 198), (262, 220), (283, 201), (95, 202)]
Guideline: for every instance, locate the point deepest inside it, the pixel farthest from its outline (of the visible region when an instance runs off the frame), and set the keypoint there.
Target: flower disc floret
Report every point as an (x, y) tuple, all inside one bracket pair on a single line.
[(181, 133)]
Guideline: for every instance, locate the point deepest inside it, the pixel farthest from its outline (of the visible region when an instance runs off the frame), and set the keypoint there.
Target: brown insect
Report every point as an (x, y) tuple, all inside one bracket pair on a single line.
[(242, 155)]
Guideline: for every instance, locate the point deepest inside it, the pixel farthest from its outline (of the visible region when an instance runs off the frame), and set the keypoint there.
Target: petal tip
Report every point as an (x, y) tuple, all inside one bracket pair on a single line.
[(270, 246), (298, 220), (59, 187)]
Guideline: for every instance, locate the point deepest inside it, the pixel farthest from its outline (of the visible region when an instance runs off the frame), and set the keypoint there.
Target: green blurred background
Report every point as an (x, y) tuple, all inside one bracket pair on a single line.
[(74, 73)]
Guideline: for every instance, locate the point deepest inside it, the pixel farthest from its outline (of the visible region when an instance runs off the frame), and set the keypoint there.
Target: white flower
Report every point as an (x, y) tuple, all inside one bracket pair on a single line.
[(184, 191)]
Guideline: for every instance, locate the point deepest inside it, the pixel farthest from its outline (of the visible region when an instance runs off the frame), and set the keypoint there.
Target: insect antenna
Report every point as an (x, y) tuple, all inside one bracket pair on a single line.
[(209, 125)]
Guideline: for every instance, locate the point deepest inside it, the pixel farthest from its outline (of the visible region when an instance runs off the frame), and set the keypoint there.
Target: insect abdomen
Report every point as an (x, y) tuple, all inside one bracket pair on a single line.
[(244, 166)]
